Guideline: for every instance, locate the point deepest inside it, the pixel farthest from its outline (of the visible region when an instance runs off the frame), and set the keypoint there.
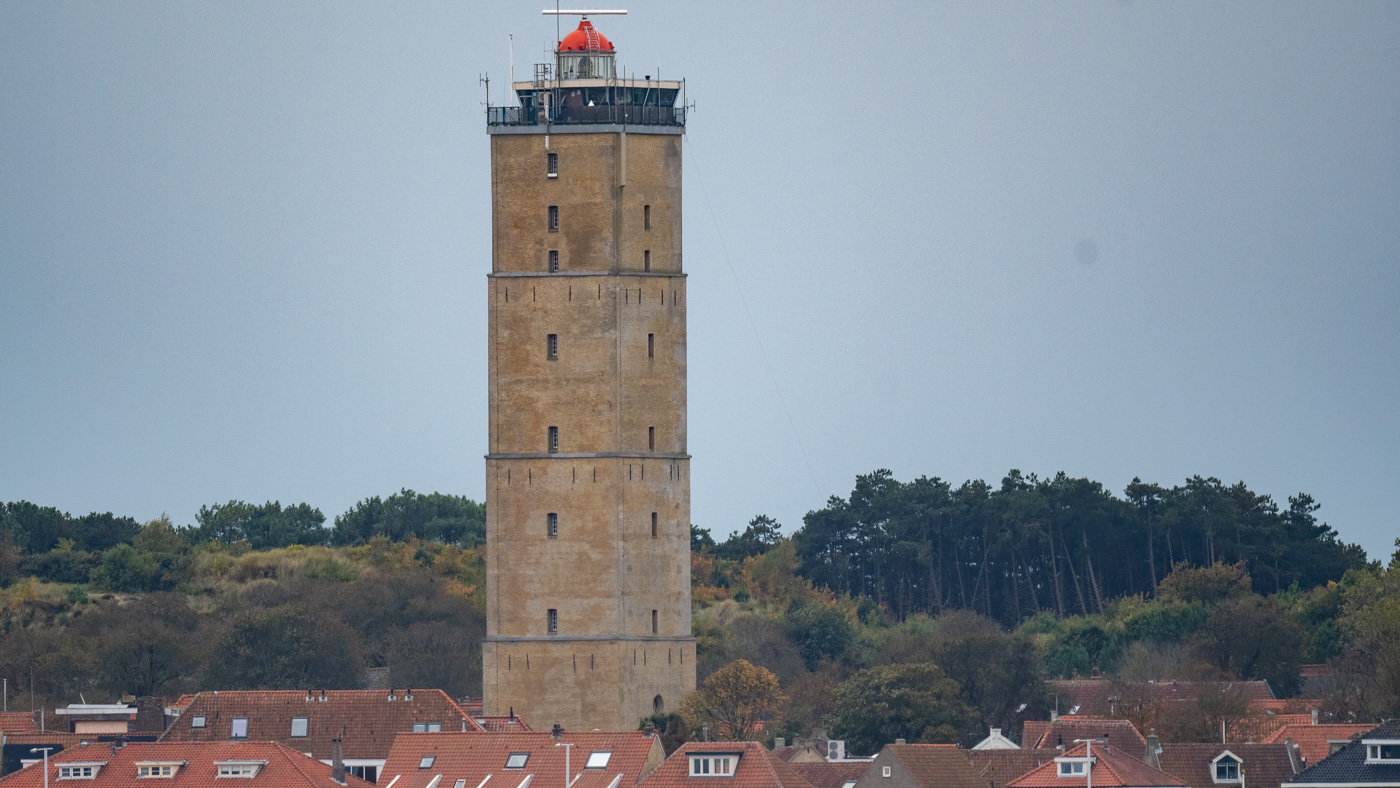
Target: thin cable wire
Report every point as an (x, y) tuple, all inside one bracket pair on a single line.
[(753, 325)]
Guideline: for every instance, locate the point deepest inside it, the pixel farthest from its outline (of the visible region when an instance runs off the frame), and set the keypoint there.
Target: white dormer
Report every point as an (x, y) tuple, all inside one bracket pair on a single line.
[(1382, 750), (1225, 767), (713, 764), (245, 769), (158, 769), (80, 770), (1073, 765)]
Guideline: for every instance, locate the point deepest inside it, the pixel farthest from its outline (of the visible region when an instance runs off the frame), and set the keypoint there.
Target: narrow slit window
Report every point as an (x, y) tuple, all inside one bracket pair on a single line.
[(646, 217), (654, 629), (552, 347), (646, 260), (554, 439), (552, 524), (554, 218), (651, 439), (553, 165), (653, 525), (554, 261), (651, 346), (552, 621)]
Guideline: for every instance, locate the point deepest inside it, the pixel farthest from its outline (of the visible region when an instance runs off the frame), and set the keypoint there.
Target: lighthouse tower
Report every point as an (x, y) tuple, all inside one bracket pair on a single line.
[(587, 478)]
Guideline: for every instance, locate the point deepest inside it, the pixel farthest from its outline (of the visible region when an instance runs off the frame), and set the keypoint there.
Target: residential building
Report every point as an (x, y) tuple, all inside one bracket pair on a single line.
[(182, 765), (587, 467), (1102, 766), (831, 774), (1226, 765), (1061, 732), (366, 721), (1370, 761), (518, 760), (996, 741), (1315, 742), (902, 765), (729, 764), (996, 768)]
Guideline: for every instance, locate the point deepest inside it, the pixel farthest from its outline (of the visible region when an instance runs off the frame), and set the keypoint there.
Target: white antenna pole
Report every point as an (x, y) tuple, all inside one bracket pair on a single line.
[(512, 61)]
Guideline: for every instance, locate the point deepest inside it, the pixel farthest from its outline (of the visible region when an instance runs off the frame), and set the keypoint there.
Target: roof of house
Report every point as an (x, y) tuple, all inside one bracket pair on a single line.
[(940, 765), (11, 721), (367, 720), (280, 766), (1257, 727), (999, 767), (996, 741), (830, 774), (1315, 741), (756, 768), (1098, 696), (1041, 735), (1112, 768), (476, 757), (1264, 765), (1347, 766), (501, 724)]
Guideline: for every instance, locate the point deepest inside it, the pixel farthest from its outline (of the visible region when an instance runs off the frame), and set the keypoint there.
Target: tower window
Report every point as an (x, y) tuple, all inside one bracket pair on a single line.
[(554, 261), (646, 217), (553, 164), (552, 623), (552, 524), (554, 218), (651, 346), (651, 439), (554, 439), (653, 525), (646, 260), (653, 622), (552, 347)]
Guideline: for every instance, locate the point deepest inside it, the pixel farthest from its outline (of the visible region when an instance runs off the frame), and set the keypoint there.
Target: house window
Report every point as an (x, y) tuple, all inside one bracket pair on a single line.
[(552, 622), (552, 347), (646, 217), (517, 760), (653, 525), (708, 765), (884, 771), (553, 163), (233, 769), (461, 783), (155, 769), (653, 622), (651, 346), (552, 524), (238, 729), (554, 218), (598, 759), (366, 773), (651, 438), (1227, 770), (554, 261), (78, 771), (1072, 769), (1383, 752), (554, 439), (426, 762), (197, 722), (299, 727), (646, 260)]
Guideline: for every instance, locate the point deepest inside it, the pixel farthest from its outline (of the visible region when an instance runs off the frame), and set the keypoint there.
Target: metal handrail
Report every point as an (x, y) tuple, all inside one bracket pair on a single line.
[(613, 114)]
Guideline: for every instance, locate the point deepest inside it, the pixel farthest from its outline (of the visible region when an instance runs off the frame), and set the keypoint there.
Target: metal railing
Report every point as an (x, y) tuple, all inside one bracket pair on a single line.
[(619, 114)]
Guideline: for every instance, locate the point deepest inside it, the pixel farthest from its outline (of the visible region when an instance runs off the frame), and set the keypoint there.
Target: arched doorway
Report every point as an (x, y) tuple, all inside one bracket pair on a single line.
[(658, 706)]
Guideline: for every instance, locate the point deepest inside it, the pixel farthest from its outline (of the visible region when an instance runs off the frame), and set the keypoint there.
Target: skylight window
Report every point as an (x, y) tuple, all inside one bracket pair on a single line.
[(598, 759), (426, 762), (517, 760), (197, 722), (300, 726), (238, 729)]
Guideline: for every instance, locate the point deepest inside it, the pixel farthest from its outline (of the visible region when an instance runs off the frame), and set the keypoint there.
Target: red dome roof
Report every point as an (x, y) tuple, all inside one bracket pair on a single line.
[(585, 39)]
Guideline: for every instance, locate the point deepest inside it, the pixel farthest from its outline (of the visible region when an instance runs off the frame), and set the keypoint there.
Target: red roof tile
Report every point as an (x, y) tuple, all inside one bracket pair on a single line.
[(283, 767), (475, 757), (1264, 765), (930, 765), (1315, 741), (1065, 730), (830, 774), (756, 768), (366, 720), (11, 721), (1101, 696), (1259, 727), (502, 724), (999, 767), (1112, 768)]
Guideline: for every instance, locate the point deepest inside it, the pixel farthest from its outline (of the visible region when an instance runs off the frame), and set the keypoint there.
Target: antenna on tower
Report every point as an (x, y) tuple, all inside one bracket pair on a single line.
[(485, 79)]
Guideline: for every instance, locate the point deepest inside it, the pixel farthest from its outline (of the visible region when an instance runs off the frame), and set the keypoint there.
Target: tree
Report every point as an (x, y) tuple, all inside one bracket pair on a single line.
[(289, 647), (821, 632), (262, 527), (915, 702), (763, 532), (1205, 585), (733, 699), (437, 517), (126, 569), (1252, 638), (700, 539)]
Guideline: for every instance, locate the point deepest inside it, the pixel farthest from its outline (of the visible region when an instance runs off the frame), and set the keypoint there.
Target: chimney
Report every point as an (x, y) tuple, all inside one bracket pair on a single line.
[(1314, 716), (150, 715), (650, 730), (323, 696), (995, 732), (1054, 715), (779, 742), (1154, 749), (337, 762), (900, 741), (557, 732)]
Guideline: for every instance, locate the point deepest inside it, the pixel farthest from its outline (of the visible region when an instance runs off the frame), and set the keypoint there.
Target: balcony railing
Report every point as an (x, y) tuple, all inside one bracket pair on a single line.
[(620, 114)]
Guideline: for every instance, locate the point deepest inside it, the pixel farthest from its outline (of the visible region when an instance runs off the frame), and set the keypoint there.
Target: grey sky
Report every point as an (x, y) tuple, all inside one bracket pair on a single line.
[(243, 246)]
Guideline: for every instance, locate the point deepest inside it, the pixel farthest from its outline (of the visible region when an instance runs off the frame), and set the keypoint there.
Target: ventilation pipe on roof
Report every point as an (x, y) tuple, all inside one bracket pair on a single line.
[(323, 696), (337, 762), (557, 731)]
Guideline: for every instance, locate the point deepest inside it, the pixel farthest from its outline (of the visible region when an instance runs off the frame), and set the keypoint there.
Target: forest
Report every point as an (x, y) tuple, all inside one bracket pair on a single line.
[(982, 592)]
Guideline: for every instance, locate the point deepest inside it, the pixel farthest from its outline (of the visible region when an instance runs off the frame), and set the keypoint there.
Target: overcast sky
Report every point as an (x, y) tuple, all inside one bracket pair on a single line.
[(244, 246)]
